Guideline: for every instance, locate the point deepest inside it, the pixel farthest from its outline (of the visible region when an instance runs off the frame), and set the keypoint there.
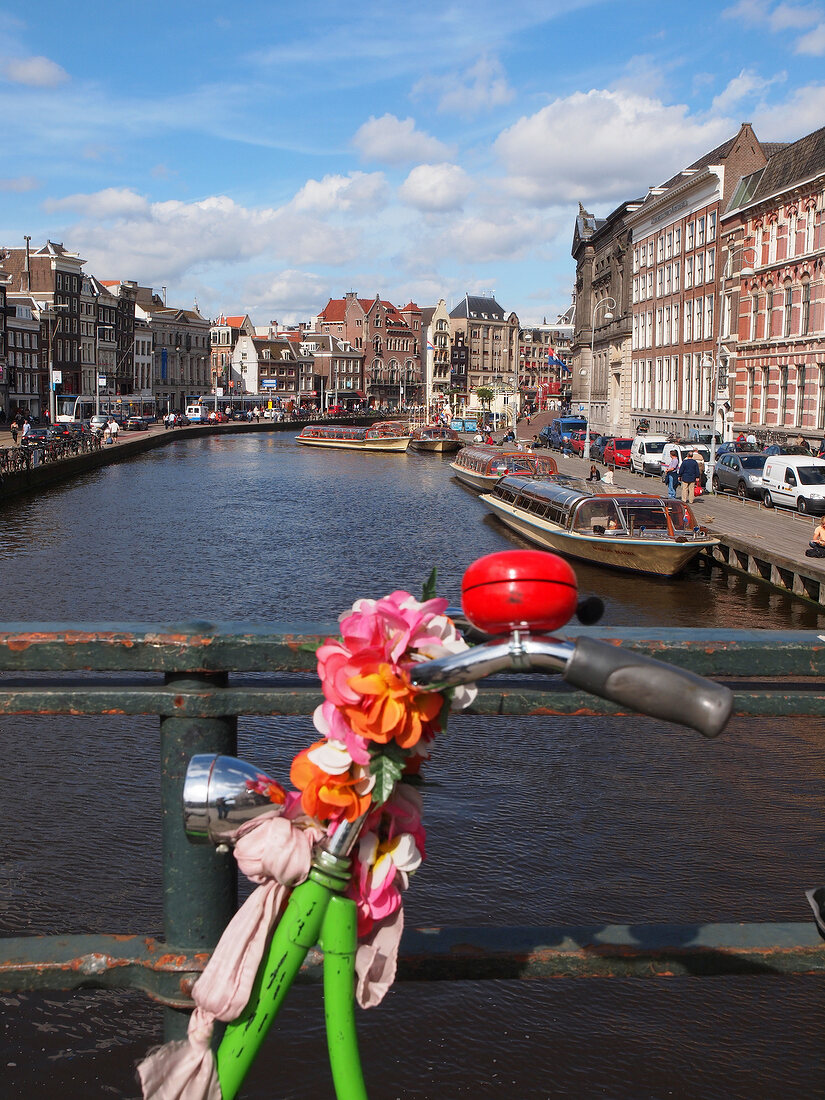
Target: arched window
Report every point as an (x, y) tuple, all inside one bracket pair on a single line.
[(783, 396), (805, 311), (800, 395), (787, 308)]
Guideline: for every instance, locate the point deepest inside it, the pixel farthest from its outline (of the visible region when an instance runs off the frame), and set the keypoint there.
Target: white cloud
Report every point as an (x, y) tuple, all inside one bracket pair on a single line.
[(602, 145), (359, 191), (19, 184), (435, 187), (287, 296), (813, 42), (744, 86), (112, 202), (121, 232), (791, 120), (484, 239), (37, 72), (482, 86), (391, 140)]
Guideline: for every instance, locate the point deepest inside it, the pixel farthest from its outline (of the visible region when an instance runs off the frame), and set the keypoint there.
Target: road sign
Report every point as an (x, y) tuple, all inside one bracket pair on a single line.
[(269, 383)]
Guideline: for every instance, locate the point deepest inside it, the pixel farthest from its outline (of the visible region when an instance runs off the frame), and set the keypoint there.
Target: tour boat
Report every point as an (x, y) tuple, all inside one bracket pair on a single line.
[(481, 466), (599, 523), (388, 435), (435, 437)]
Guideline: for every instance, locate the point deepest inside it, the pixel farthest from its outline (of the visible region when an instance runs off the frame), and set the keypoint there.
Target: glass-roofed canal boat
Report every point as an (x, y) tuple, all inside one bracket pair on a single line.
[(599, 523), (387, 435), (481, 466), (435, 437)]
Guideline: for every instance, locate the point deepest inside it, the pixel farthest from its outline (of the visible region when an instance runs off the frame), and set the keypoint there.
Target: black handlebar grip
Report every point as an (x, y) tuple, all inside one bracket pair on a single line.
[(649, 687)]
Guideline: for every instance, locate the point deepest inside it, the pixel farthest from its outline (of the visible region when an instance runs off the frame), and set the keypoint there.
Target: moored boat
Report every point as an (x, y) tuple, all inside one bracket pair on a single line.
[(600, 523), (388, 435), (481, 466), (435, 437)]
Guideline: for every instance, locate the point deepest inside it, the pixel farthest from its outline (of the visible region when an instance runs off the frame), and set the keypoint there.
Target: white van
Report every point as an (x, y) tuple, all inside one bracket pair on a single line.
[(796, 481), (197, 414), (646, 454)]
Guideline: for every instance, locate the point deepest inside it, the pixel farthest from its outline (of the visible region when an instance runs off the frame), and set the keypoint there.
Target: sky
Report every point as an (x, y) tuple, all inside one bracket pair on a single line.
[(262, 157)]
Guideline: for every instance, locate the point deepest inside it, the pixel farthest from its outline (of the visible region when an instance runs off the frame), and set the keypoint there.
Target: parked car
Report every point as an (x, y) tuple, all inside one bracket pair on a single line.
[(739, 472), (597, 447), (740, 448), (786, 449), (98, 422), (796, 481), (646, 454), (40, 435), (136, 424), (617, 452)]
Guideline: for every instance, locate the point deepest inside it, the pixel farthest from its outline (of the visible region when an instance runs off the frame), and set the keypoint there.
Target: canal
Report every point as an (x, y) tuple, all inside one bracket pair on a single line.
[(552, 821)]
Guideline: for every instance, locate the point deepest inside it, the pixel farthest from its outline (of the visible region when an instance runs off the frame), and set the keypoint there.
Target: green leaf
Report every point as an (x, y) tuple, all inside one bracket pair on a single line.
[(428, 591), (387, 765)]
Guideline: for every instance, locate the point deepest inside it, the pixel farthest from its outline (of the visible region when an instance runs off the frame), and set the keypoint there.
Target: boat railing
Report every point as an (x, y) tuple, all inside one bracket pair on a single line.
[(199, 678)]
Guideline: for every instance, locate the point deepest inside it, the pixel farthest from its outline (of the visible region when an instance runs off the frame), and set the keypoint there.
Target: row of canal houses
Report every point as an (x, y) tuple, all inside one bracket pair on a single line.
[(60, 324), (702, 303)]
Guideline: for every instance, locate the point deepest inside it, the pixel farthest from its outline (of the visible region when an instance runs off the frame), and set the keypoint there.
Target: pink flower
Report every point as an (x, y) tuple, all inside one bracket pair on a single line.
[(329, 721)]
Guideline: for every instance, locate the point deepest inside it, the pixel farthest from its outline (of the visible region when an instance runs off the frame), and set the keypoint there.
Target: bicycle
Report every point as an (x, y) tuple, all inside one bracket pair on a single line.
[(510, 600)]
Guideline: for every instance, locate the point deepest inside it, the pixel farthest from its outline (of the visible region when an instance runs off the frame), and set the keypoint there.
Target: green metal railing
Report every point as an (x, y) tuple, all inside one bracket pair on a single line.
[(195, 691)]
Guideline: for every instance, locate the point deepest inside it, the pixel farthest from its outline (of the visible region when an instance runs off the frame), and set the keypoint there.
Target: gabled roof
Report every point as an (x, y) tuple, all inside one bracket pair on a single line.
[(790, 164)]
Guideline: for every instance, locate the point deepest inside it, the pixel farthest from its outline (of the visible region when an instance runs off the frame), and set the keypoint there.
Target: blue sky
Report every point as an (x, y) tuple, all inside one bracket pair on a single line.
[(262, 157)]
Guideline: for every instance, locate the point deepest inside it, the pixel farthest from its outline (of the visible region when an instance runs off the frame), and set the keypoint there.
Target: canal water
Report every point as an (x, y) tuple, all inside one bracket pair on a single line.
[(530, 822)]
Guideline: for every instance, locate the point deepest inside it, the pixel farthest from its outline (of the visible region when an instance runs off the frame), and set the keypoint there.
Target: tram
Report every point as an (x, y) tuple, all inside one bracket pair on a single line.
[(70, 406)]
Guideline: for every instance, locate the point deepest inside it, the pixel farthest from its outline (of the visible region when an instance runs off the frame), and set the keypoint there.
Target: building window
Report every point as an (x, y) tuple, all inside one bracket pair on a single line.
[(677, 241), (700, 232), (805, 312), (800, 390), (712, 226), (792, 220), (783, 395), (754, 316), (820, 401), (809, 230), (788, 308), (772, 243)]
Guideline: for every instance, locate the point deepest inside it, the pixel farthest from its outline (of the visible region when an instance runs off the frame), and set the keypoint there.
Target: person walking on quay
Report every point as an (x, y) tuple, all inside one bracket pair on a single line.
[(688, 475), (107, 432), (672, 474), (114, 428), (14, 429), (27, 427)]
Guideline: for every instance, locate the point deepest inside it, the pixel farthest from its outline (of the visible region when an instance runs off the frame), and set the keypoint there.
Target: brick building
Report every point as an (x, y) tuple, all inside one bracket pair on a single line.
[(52, 276), (492, 342), (675, 287), (771, 349), (390, 339)]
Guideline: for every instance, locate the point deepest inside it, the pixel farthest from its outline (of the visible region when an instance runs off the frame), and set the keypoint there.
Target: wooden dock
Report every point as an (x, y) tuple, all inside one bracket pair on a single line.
[(767, 544)]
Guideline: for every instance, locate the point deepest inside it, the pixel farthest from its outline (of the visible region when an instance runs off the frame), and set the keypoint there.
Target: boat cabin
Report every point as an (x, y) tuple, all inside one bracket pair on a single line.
[(594, 508), (492, 462)]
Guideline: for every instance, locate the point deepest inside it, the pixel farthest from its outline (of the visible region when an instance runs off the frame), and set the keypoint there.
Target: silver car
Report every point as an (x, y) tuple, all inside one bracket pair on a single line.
[(740, 472)]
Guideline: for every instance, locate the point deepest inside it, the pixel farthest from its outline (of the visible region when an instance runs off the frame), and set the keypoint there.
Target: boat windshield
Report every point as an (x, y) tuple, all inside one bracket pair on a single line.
[(646, 515), (680, 515)]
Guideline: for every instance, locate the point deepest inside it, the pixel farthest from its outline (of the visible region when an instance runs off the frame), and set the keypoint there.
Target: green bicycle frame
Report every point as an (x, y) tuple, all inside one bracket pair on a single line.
[(316, 913)]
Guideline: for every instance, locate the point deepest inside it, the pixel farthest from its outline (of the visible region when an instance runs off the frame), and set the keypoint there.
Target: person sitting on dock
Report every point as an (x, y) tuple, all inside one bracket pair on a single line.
[(816, 547), (594, 474)]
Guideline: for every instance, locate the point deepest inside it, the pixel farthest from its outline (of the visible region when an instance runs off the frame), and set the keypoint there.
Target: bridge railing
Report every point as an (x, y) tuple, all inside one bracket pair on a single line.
[(193, 688)]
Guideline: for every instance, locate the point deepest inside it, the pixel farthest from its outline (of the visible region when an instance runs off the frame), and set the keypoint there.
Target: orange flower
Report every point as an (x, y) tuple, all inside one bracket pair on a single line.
[(325, 796), (390, 709)]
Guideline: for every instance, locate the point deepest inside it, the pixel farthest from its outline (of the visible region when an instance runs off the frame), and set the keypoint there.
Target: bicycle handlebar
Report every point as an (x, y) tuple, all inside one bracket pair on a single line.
[(619, 675)]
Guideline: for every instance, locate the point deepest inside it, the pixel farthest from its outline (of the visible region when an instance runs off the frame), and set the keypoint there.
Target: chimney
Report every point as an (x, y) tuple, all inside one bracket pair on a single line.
[(28, 265)]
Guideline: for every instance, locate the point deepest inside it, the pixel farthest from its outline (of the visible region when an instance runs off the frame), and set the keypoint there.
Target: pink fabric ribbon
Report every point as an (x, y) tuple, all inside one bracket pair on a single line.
[(276, 853)]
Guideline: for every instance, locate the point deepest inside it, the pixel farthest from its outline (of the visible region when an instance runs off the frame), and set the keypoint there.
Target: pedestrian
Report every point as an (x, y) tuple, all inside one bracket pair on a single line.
[(594, 474), (114, 428), (608, 477), (816, 547), (702, 480), (751, 438), (27, 427), (14, 429), (688, 476), (107, 431), (671, 474)]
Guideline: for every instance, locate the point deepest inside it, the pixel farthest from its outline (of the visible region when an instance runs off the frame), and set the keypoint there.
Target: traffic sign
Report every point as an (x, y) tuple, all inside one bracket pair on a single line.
[(269, 383)]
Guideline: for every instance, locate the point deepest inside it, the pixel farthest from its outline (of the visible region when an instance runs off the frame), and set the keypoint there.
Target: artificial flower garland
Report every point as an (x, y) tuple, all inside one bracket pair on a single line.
[(376, 732)]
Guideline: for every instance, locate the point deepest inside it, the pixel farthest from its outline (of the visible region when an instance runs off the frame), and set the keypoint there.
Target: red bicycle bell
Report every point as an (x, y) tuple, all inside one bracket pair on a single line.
[(519, 590)]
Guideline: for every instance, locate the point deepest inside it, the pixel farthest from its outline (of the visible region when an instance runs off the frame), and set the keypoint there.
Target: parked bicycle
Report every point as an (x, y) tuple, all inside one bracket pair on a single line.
[(356, 821)]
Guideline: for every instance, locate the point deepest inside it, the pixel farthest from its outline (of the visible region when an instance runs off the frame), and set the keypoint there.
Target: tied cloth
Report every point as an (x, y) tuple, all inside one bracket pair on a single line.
[(277, 853)]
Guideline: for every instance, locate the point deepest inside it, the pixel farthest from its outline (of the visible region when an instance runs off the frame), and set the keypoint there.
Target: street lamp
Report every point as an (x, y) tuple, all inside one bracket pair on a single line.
[(723, 277), (607, 317), (50, 312)]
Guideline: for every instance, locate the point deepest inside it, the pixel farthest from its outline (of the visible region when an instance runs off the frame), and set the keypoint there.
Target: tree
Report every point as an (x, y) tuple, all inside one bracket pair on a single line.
[(485, 395)]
